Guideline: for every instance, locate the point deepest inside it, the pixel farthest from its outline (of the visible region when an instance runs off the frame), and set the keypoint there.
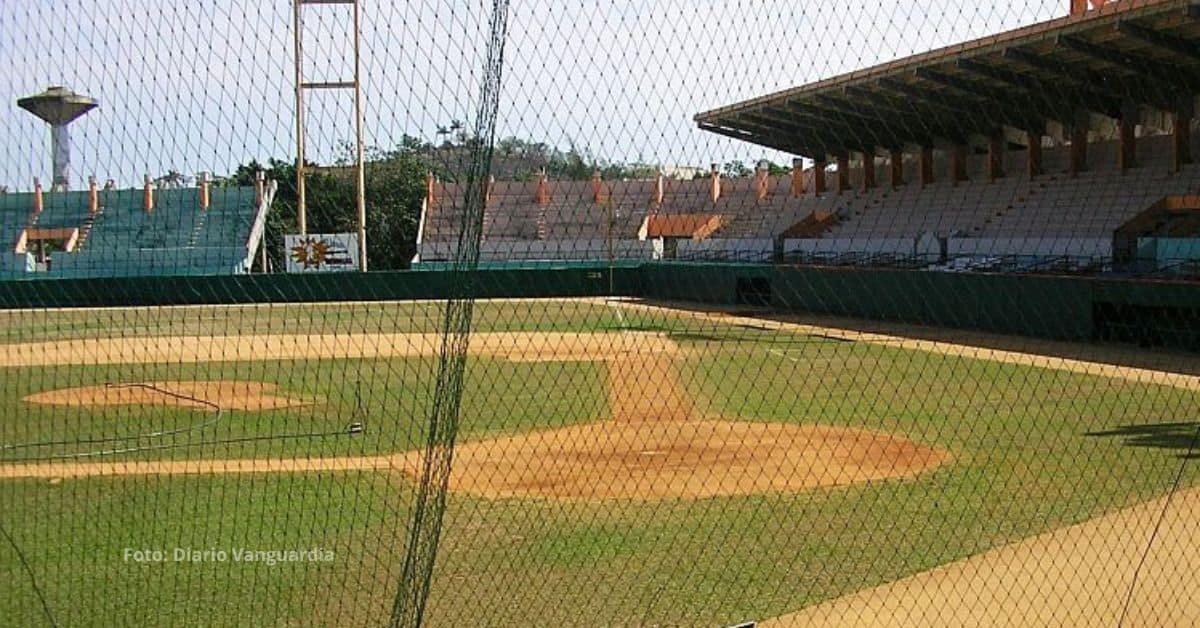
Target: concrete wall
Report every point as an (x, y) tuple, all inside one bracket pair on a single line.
[(899, 246), (1041, 247), (758, 249), (501, 250)]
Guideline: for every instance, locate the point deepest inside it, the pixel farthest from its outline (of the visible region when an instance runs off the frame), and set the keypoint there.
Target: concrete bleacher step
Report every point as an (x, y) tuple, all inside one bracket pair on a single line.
[(85, 230), (197, 230)]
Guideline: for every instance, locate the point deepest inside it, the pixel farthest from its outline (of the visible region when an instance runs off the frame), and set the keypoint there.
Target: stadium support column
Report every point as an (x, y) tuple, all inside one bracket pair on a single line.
[(926, 159), (1079, 139), (897, 168), (868, 160), (1127, 131), (1181, 137), (819, 176), (843, 172), (1034, 154), (995, 158), (958, 163)]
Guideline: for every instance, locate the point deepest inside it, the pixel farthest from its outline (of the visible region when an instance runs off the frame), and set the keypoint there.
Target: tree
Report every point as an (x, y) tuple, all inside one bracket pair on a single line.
[(395, 189), (775, 170), (735, 168), (173, 179)]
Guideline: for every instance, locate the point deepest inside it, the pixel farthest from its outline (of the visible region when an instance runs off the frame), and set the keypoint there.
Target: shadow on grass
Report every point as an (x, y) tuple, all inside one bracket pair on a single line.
[(1181, 437)]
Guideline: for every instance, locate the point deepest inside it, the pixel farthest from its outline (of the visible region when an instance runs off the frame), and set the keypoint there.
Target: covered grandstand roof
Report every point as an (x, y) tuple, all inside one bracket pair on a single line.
[(1130, 52)]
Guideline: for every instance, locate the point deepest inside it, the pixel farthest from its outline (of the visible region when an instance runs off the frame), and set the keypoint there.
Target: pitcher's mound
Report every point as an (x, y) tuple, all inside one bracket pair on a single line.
[(229, 395), (685, 459)]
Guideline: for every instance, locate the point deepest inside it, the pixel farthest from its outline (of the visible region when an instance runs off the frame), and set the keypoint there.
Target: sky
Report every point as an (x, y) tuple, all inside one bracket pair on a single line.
[(204, 85)]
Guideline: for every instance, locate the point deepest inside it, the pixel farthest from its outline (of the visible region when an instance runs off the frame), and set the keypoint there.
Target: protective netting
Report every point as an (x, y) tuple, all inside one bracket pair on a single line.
[(678, 313)]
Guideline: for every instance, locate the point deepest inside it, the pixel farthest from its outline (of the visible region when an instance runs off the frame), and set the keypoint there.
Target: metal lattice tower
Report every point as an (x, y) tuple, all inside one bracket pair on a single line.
[(354, 84)]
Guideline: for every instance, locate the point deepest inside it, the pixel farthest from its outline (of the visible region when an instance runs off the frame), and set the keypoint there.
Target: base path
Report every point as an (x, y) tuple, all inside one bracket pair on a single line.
[(1075, 576), (522, 346)]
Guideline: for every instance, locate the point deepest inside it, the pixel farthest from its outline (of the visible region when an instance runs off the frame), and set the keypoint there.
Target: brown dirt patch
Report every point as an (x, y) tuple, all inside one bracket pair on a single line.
[(680, 459), (229, 395)]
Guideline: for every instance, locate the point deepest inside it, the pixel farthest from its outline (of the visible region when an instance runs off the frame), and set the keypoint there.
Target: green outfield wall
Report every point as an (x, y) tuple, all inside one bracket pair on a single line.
[(1061, 307)]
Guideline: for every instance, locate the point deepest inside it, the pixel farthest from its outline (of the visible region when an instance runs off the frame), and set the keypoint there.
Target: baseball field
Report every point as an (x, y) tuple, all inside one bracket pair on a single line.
[(618, 463)]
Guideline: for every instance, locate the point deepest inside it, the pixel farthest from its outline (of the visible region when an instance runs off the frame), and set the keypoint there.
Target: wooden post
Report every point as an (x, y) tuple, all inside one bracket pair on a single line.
[(760, 181), (926, 159), (819, 176), (205, 199), (93, 196), (147, 194), (1181, 144), (1079, 138), (597, 187), (715, 190), (1034, 154), (797, 177), (843, 172), (868, 160), (259, 188), (958, 163), (996, 149), (897, 166), (1127, 132), (38, 201), (542, 195)]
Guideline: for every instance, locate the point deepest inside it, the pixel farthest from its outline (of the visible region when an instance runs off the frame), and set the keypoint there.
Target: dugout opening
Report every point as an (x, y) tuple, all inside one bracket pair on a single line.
[(753, 291)]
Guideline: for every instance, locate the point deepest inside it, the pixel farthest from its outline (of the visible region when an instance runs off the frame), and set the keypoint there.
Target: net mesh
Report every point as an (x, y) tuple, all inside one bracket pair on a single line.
[(678, 313)]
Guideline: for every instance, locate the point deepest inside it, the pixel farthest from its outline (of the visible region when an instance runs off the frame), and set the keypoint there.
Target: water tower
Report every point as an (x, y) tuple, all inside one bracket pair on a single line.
[(58, 107)]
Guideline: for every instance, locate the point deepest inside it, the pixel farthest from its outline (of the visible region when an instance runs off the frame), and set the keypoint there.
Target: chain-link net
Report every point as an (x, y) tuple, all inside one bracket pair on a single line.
[(677, 313)]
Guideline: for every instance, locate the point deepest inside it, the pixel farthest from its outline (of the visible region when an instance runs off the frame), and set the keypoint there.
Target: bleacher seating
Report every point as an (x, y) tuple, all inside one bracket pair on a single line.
[(1053, 214), (176, 237)]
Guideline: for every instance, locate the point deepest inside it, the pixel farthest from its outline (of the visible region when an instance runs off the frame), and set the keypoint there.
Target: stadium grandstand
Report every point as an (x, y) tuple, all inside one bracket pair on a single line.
[(204, 230), (1065, 146), (106, 232)]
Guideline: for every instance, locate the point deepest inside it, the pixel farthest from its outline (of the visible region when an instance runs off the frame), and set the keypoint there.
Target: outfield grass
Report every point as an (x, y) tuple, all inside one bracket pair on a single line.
[(1025, 461), (309, 318)]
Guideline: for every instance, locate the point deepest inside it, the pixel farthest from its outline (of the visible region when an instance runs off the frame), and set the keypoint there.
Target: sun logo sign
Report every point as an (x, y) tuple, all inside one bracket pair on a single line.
[(310, 252), (321, 253)]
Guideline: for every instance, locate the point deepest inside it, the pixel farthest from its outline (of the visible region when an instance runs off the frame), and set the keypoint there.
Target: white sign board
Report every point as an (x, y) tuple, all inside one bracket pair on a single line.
[(321, 252)]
